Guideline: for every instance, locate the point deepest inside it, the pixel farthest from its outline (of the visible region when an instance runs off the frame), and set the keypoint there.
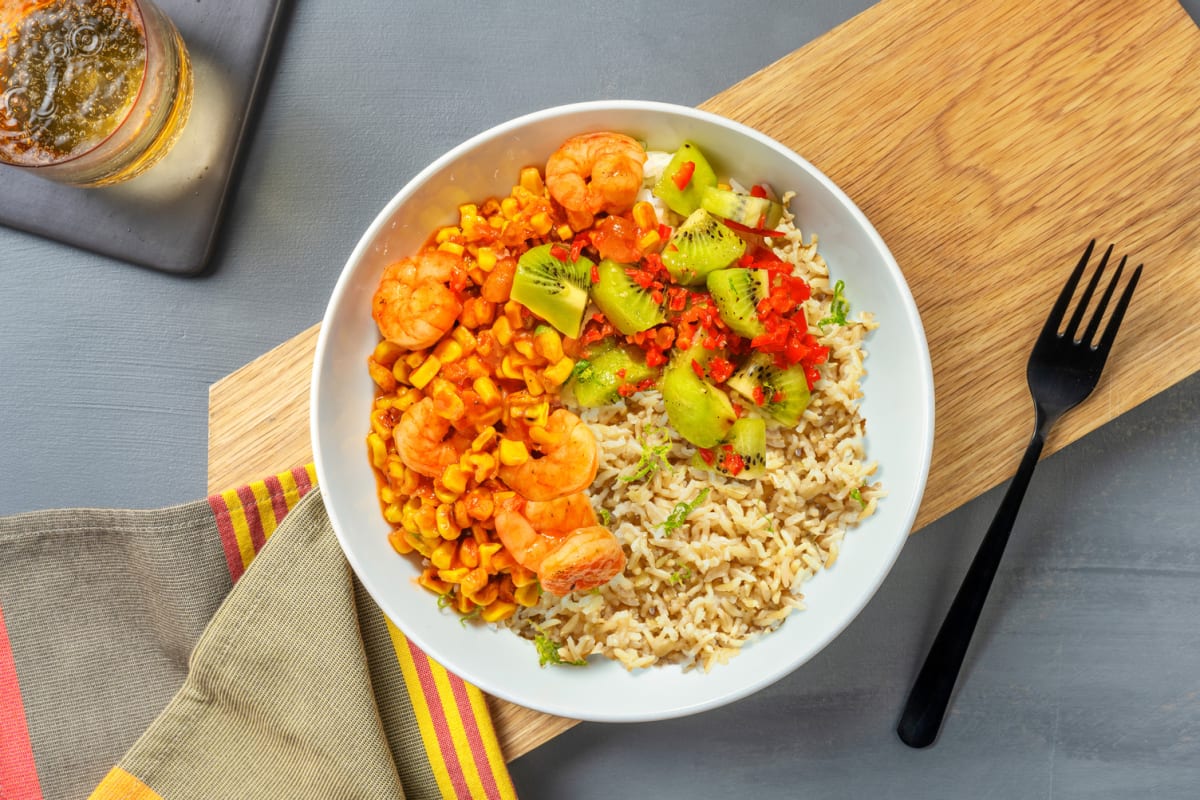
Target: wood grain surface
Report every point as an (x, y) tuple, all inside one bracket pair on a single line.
[(987, 142)]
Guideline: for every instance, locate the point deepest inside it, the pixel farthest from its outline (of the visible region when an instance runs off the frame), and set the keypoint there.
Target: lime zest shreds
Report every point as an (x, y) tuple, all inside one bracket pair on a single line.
[(654, 456), (548, 653), (679, 576), (605, 517), (856, 495), (839, 307), (681, 511)]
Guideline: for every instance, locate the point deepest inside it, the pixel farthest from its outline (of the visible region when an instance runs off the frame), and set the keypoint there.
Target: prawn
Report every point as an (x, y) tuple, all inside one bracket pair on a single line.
[(574, 560), (593, 173), (564, 468), (421, 440), (415, 305)]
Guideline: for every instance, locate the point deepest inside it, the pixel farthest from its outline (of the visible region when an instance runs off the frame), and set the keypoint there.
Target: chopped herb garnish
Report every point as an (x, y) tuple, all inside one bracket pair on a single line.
[(681, 511), (838, 307), (581, 366), (605, 517), (856, 495), (444, 600), (654, 456), (548, 653), (679, 576), (469, 616)]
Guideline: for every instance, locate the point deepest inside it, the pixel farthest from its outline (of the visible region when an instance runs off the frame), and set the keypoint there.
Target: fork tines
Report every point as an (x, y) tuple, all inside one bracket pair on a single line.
[(1064, 300)]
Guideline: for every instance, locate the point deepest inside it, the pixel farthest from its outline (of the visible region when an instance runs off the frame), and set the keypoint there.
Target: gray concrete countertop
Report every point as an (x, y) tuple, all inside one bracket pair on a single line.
[(1084, 677)]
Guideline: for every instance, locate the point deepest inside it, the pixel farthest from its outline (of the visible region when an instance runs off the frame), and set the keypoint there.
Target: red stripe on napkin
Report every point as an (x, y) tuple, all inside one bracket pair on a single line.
[(18, 774)]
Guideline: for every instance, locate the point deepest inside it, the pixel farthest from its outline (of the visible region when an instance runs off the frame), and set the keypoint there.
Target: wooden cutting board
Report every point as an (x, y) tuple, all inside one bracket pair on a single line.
[(987, 142)]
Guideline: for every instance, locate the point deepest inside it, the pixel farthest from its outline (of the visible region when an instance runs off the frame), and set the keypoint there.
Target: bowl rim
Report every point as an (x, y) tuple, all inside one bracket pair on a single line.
[(909, 312)]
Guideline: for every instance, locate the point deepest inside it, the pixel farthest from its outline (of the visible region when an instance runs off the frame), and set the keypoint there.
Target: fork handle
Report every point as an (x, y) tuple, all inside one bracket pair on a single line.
[(931, 691)]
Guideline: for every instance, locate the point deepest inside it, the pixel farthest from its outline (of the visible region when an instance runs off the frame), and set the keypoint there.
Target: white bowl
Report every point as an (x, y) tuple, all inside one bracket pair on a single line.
[(898, 405)]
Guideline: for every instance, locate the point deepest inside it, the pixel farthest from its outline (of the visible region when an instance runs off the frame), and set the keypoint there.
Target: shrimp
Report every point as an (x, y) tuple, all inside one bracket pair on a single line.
[(421, 440), (563, 468), (573, 560), (595, 172), (561, 514), (415, 305)]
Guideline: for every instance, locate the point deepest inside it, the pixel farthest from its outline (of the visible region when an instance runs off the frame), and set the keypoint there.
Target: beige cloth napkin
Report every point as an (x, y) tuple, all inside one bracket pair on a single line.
[(297, 685)]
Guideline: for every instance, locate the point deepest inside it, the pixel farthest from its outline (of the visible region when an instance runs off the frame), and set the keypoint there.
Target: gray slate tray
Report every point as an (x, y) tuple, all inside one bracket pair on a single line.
[(168, 217)]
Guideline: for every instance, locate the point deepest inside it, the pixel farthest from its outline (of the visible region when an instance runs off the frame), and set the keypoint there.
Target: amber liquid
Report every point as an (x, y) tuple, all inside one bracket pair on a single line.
[(72, 76)]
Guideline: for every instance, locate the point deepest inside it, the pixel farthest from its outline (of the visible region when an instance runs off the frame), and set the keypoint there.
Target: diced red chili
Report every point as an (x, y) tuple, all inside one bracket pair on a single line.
[(595, 274), (626, 389), (706, 455), (577, 245), (719, 369), (560, 252), (758, 395), (684, 176), (758, 190), (697, 368)]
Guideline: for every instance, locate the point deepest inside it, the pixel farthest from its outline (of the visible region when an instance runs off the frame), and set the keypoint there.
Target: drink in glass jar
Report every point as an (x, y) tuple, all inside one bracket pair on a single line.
[(92, 92)]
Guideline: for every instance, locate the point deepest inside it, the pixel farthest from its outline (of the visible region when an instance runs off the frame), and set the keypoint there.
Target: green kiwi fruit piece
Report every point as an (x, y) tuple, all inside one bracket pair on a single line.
[(745, 209), (697, 410), (686, 200), (747, 438), (698, 246), (629, 307), (737, 293), (784, 389), (596, 382), (557, 291)]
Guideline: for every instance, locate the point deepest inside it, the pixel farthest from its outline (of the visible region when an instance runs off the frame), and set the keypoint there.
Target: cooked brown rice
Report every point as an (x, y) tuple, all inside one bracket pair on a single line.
[(734, 568)]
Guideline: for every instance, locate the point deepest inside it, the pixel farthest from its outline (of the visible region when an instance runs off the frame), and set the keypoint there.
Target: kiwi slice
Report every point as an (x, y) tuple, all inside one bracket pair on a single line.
[(783, 390), (737, 293), (700, 245), (556, 290), (698, 411), (745, 209), (629, 307), (596, 383), (748, 439), (686, 200)]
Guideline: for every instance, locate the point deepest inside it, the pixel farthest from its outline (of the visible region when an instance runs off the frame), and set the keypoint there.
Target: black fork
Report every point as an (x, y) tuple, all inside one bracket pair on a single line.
[(1062, 372)]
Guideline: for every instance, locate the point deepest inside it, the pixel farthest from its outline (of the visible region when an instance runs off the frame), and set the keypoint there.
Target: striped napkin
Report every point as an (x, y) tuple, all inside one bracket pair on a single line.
[(172, 654)]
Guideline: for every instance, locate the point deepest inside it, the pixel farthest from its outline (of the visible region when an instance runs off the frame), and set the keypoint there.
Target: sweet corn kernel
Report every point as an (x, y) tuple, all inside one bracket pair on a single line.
[(548, 344), (484, 440), (483, 466), (532, 381), (650, 241), (528, 594), (557, 373), (448, 350), (461, 518), (381, 423), (467, 210), (479, 504), (538, 414), (406, 400), (725, 186), (445, 522), (474, 580), (446, 234), (644, 215), (387, 495), (488, 391), (545, 438), (509, 207), (468, 553), (419, 543), (541, 223), (522, 576), (502, 329), (382, 375), (393, 513), (463, 603), (409, 519), (531, 180), (430, 581), (487, 595), (415, 358), (378, 450), (443, 554), (486, 259), (446, 497), (514, 311), (400, 370), (486, 553), (399, 542), (502, 561), (453, 575), (411, 481), (387, 352), (512, 453), (476, 368), (523, 344), (510, 368), (498, 611), (564, 232), (455, 478), (451, 247), (423, 374)]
